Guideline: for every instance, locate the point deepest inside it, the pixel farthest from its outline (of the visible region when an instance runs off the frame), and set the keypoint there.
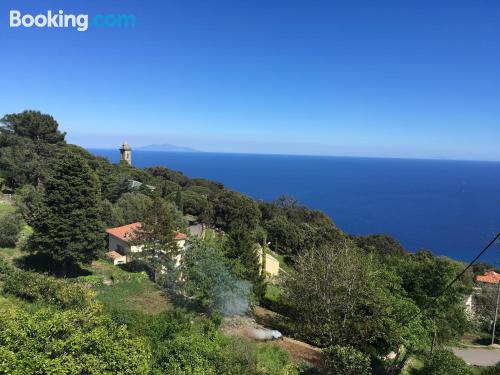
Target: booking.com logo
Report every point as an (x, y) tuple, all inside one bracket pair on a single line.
[(80, 22)]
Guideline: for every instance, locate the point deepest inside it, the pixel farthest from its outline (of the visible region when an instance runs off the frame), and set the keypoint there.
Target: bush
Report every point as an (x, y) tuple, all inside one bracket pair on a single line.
[(495, 370), (5, 268), (35, 287), (50, 341), (444, 362), (273, 361), (346, 360), (11, 225)]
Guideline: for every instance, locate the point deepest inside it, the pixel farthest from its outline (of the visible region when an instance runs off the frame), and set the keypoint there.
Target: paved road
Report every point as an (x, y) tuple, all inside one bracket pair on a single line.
[(478, 356)]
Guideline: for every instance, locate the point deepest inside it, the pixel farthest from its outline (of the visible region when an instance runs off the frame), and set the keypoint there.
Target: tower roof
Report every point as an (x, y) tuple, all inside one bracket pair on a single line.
[(125, 146)]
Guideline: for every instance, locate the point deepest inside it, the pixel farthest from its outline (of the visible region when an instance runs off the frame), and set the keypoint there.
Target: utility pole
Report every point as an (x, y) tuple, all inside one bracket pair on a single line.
[(496, 314)]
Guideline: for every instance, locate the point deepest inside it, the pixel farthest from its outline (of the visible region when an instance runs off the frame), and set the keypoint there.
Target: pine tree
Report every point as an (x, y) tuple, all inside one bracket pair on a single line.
[(67, 225)]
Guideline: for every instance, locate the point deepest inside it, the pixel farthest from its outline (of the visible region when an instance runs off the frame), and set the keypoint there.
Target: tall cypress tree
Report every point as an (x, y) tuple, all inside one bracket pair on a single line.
[(179, 201), (67, 225)]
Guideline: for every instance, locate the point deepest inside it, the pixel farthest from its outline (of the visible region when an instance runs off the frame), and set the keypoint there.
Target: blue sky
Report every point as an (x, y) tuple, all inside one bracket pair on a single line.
[(365, 78)]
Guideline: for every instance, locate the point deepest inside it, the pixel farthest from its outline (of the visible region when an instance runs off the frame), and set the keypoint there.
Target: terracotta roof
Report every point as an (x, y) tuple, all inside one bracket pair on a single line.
[(489, 277), (180, 236), (126, 232), (114, 255)]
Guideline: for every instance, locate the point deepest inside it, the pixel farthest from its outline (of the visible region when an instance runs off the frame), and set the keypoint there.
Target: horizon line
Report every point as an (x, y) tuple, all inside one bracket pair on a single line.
[(302, 155)]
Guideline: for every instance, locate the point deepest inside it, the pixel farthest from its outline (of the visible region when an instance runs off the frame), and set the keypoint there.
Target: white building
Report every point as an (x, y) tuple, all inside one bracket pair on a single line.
[(120, 242)]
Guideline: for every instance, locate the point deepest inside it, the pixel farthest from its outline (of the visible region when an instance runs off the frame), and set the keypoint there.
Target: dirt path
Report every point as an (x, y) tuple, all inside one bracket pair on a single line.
[(245, 326), (6, 199), (300, 351)]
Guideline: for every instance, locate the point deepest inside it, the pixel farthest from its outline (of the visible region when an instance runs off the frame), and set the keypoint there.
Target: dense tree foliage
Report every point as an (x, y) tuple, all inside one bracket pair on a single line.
[(381, 243), (67, 225), (424, 278), (292, 228), (191, 202), (355, 302), (132, 207), (33, 125), (233, 210)]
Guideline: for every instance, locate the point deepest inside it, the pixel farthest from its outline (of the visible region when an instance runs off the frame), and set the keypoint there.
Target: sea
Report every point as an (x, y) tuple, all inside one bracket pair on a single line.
[(449, 207)]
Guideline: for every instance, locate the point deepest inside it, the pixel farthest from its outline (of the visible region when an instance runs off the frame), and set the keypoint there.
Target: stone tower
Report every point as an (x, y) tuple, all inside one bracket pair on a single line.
[(126, 153)]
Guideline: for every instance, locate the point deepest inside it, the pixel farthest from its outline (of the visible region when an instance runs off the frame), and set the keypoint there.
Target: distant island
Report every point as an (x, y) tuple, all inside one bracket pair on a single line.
[(167, 147)]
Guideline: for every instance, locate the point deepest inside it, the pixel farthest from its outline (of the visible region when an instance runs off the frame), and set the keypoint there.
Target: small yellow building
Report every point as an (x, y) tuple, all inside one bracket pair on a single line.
[(271, 266)]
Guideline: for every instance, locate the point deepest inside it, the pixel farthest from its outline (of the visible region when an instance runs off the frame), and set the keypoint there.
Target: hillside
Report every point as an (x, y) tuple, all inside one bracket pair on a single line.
[(344, 303)]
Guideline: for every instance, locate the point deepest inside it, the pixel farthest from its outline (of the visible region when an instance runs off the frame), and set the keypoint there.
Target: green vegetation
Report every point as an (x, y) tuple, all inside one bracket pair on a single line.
[(117, 288), (159, 248), (356, 302), (131, 207), (67, 224), (357, 298), (492, 370), (209, 279), (53, 326), (6, 209), (444, 362), (346, 360), (11, 224)]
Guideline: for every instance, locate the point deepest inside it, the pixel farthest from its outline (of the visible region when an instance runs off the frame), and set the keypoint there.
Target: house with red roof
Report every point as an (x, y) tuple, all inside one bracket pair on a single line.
[(121, 242), (490, 277)]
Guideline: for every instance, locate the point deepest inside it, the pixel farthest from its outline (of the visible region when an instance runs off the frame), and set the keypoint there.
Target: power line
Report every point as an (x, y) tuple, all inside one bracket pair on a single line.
[(450, 284), (447, 287)]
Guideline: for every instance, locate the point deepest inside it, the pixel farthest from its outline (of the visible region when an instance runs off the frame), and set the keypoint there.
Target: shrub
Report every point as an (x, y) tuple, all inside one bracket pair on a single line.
[(494, 370), (51, 341), (273, 361), (5, 268), (11, 225), (190, 354), (35, 287), (444, 362), (346, 360)]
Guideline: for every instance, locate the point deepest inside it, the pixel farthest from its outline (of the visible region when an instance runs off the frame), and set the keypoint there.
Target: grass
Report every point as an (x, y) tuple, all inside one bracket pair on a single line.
[(128, 291), (10, 253), (6, 208), (273, 292)]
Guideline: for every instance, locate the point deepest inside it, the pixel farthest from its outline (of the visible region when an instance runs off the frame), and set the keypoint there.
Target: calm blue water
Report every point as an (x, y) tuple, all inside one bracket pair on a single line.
[(449, 207)]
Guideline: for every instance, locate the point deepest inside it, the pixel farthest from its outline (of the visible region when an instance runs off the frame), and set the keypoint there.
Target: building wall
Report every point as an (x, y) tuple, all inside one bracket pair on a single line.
[(136, 248), (121, 260), (124, 248), (117, 245), (181, 244), (272, 265)]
